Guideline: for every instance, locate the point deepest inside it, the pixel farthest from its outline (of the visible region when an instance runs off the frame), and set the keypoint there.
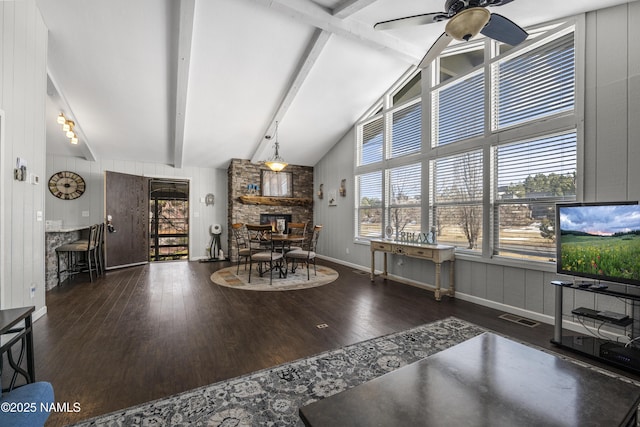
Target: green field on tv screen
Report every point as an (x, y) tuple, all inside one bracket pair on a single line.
[(610, 256)]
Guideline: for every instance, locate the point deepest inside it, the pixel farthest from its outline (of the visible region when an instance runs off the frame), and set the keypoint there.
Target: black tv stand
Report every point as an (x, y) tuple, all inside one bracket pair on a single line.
[(606, 351)]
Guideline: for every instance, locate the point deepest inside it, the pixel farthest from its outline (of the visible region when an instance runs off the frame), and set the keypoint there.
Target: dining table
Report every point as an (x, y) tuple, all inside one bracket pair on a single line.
[(285, 241)]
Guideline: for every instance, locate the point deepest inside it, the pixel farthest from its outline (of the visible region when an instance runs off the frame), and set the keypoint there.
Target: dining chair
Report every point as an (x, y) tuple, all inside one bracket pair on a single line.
[(297, 229), (242, 244), (259, 240), (307, 254)]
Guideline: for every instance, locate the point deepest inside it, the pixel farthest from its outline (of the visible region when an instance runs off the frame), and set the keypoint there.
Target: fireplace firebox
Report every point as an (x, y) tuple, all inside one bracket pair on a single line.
[(272, 218)]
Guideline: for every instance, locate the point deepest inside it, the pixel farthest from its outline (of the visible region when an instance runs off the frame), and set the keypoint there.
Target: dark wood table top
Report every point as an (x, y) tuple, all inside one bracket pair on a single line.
[(12, 316), (485, 381)]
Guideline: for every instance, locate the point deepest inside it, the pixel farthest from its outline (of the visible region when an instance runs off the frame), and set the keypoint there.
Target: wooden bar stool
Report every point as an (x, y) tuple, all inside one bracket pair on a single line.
[(81, 255)]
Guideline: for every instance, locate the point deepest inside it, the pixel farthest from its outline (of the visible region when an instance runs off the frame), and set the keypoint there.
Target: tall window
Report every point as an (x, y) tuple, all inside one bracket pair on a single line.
[(404, 199), (405, 130), (371, 135), (531, 177), (535, 84), (369, 218), (458, 111), (500, 151), (456, 199)]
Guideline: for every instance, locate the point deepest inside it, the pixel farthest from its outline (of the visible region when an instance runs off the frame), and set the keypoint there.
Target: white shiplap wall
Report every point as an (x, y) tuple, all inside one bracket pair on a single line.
[(610, 155), (23, 54), (202, 181)]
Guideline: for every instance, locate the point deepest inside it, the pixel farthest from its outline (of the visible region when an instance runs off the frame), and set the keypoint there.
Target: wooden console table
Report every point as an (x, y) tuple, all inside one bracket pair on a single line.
[(434, 253)]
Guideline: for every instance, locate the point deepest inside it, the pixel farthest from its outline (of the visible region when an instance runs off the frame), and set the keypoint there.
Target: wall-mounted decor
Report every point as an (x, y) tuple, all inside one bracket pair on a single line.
[(253, 189), (333, 200), (209, 199), (277, 184), (321, 191), (343, 188), (66, 185)]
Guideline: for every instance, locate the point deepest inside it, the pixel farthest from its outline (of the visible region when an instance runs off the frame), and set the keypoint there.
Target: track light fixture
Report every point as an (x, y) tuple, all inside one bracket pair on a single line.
[(67, 128)]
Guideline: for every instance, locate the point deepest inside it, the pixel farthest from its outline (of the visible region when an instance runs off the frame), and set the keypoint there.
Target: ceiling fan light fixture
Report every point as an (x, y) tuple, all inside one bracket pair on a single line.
[(468, 23)]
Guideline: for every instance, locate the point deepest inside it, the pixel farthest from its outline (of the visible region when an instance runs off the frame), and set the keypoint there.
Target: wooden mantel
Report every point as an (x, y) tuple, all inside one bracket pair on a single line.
[(275, 201)]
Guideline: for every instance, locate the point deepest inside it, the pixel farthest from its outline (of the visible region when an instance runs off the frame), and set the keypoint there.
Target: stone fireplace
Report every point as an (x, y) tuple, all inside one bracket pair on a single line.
[(249, 207)]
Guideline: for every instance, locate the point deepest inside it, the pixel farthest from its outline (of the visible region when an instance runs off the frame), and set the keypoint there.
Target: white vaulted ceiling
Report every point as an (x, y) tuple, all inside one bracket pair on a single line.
[(198, 82)]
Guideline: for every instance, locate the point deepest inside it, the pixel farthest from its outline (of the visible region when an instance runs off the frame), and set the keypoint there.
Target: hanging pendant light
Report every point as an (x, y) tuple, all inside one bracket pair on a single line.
[(276, 163)]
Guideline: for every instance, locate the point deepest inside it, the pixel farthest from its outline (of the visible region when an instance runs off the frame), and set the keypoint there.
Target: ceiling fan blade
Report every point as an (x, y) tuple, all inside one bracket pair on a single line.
[(427, 18), (504, 30), (435, 50), (498, 2)]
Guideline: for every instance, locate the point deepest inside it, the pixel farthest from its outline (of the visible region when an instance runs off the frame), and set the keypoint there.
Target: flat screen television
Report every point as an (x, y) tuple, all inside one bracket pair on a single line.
[(599, 241)]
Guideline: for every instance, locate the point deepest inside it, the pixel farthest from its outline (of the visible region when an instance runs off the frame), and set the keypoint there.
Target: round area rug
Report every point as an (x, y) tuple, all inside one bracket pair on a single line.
[(298, 280)]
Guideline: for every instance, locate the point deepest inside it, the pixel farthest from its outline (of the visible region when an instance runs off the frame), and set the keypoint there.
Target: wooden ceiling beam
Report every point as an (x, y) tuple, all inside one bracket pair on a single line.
[(311, 55), (315, 15), (185, 36), (83, 143), (349, 7)]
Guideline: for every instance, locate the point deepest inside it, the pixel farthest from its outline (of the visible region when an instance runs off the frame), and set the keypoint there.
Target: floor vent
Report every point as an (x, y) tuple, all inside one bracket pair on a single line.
[(520, 320), (361, 272), (322, 326)]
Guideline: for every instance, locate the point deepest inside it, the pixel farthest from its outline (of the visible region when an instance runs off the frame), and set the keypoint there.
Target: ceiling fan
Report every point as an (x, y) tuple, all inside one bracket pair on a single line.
[(466, 18)]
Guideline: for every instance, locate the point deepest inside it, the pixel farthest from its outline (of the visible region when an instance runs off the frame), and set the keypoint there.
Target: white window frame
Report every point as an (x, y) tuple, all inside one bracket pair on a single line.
[(491, 138)]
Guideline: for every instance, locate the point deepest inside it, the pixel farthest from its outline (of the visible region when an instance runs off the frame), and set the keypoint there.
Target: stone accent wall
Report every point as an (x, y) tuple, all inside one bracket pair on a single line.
[(240, 174), (53, 240)]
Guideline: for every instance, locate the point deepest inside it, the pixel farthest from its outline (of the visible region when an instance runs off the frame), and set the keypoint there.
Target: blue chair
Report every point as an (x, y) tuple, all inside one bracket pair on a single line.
[(27, 405)]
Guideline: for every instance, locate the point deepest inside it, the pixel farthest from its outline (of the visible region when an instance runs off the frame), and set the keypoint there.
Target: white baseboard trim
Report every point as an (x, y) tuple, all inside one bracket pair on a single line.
[(543, 318), (538, 317), (39, 313), (342, 262)]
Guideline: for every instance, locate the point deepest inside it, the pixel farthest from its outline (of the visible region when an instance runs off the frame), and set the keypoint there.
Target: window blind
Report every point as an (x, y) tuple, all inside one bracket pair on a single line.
[(372, 142), (537, 169), (405, 185), (369, 210), (406, 130), (370, 189), (458, 179), (535, 84), (460, 110)]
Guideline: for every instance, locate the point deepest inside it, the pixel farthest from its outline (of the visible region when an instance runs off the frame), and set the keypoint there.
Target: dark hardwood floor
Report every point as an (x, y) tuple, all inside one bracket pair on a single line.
[(147, 332)]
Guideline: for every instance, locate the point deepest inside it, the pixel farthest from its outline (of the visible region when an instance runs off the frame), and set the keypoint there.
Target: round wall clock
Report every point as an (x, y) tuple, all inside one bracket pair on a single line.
[(66, 185)]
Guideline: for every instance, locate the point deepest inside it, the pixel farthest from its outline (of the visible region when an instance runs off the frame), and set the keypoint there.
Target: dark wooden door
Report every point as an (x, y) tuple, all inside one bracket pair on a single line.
[(127, 215)]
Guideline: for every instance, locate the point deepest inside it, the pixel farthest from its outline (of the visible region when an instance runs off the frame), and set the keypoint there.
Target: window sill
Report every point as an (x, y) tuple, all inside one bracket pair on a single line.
[(548, 267), (508, 262)]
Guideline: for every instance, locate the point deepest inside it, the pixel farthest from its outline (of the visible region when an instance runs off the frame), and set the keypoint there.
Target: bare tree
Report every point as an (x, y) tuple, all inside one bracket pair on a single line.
[(400, 217), (461, 193), (469, 170)]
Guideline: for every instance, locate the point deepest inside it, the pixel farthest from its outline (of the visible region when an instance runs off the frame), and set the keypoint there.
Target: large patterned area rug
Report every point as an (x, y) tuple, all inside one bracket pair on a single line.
[(298, 280), (271, 397)]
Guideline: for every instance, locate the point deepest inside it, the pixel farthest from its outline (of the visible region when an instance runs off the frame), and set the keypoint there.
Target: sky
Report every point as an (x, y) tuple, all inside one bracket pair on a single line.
[(603, 220)]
